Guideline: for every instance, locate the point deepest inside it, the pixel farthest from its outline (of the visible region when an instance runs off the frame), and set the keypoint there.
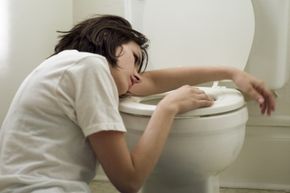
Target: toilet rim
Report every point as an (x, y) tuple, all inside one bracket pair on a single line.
[(226, 100)]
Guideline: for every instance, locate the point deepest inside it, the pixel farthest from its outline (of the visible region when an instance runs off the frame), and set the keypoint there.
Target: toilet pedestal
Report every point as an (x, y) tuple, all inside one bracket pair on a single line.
[(205, 185)]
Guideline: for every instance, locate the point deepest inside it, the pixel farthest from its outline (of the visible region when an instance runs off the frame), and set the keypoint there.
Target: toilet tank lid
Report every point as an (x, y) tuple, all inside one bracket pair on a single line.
[(226, 100), (195, 32)]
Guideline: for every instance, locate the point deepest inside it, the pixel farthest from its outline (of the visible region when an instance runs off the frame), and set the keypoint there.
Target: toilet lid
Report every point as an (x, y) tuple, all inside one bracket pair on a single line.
[(226, 100), (195, 32)]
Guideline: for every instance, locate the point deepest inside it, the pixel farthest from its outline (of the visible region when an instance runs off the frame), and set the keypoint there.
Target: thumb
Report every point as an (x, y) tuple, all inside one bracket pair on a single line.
[(256, 95)]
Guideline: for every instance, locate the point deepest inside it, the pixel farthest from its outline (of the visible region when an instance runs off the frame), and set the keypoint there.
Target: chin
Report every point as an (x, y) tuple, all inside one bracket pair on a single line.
[(123, 92)]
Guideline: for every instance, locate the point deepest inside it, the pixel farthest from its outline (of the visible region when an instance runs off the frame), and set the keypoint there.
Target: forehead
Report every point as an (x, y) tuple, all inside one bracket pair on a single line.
[(131, 47), (134, 46)]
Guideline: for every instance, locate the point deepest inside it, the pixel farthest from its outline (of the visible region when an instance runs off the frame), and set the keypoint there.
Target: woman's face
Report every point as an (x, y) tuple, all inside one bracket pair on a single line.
[(125, 73)]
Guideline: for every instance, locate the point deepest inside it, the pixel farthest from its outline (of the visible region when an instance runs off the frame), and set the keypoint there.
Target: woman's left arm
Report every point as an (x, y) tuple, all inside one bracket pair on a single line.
[(163, 80)]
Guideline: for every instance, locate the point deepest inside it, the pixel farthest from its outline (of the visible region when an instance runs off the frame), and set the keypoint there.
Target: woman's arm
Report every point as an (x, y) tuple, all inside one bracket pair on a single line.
[(163, 80), (157, 81), (127, 169)]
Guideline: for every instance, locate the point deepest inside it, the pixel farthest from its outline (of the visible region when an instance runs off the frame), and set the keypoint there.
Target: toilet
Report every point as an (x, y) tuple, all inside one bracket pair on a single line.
[(205, 141), (202, 143)]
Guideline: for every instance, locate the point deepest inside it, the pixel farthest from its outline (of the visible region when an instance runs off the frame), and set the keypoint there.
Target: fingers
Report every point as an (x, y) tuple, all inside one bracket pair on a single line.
[(202, 99), (264, 97), (256, 90), (188, 98), (254, 94), (268, 106), (205, 103)]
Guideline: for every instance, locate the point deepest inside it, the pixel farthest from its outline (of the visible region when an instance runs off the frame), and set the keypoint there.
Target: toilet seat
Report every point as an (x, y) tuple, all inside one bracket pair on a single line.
[(226, 100)]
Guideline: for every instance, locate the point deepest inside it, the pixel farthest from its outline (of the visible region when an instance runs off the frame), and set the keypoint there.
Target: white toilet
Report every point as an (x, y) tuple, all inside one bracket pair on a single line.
[(203, 142)]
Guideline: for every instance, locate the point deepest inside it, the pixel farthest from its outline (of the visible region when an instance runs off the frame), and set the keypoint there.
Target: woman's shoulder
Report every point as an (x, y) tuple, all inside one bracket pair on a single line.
[(79, 56)]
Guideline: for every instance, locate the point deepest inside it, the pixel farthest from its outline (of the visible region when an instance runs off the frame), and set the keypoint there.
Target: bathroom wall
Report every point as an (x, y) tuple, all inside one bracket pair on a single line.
[(27, 36), (84, 9)]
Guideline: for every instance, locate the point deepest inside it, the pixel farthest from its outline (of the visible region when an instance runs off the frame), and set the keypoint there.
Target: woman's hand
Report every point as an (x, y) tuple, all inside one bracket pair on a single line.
[(256, 90), (186, 98)]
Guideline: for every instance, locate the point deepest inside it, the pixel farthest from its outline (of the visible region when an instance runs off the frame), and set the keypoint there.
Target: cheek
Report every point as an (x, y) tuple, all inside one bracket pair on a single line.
[(119, 80), (122, 83)]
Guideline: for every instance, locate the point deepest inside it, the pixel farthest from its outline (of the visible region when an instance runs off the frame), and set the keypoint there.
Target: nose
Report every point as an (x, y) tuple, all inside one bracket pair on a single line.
[(136, 78)]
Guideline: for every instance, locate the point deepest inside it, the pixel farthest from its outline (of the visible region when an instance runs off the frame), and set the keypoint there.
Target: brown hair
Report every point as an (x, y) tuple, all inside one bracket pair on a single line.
[(102, 35)]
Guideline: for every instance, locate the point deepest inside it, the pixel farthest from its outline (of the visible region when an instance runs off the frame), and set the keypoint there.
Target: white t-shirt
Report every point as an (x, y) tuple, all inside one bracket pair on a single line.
[(43, 144)]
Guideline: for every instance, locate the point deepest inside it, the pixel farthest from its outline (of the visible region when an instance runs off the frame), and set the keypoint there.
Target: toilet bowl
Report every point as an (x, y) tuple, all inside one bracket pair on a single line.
[(201, 144)]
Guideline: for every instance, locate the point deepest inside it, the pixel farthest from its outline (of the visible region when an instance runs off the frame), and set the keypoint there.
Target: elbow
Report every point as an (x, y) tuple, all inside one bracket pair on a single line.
[(128, 189), (130, 186)]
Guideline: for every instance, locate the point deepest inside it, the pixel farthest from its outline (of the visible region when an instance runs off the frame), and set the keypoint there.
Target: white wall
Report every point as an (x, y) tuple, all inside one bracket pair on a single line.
[(84, 9), (28, 35)]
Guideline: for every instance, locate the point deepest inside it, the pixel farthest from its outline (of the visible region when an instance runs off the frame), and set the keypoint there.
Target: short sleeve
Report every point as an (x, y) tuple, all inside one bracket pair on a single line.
[(88, 95)]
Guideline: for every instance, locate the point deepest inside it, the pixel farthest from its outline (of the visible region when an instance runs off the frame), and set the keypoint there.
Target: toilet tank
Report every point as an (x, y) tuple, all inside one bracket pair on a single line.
[(268, 56)]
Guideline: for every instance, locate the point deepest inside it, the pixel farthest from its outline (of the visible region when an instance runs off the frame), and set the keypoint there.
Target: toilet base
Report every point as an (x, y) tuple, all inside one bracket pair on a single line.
[(202, 185)]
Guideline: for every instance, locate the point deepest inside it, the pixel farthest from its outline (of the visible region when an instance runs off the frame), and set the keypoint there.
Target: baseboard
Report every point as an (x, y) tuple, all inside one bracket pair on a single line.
[(240, 185), (261, 186), (266, 121)]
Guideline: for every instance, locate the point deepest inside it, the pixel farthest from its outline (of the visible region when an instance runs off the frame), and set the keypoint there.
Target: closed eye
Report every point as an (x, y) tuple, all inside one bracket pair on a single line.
[(137, 60)]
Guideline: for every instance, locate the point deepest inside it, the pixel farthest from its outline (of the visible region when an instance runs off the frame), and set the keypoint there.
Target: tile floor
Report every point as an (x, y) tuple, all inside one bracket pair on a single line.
[(106, 187)]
